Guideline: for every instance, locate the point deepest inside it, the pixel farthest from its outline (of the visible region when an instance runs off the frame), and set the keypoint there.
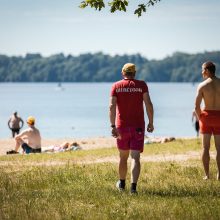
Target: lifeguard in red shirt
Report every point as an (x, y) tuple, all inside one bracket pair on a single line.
[(127, 121)]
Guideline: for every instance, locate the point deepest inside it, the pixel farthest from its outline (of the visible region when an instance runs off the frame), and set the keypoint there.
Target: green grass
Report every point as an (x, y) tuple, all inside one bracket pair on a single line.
[(167, 190), (178, 146)]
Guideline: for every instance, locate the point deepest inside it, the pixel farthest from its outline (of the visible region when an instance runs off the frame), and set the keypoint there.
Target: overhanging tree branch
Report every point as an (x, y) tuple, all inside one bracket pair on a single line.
[(117, 5)]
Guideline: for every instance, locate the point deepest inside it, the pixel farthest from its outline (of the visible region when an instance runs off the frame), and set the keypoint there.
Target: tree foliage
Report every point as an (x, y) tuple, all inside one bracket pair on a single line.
[(99, 67), (118, 5)]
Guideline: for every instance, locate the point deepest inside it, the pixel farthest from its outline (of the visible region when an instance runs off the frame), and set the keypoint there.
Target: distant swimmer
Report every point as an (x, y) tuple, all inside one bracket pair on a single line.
[(209, 117), (59, 87), (14, 124)]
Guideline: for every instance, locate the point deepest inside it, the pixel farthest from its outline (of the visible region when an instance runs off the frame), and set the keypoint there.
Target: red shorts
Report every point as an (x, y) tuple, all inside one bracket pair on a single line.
[(131, 138), (209, 122)]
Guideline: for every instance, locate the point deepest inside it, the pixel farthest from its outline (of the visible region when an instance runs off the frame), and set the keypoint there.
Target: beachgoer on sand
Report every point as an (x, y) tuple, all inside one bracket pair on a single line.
[(209, 117), (151, 140), (127, 122), (15, 123), (66, 146), (29, 139)]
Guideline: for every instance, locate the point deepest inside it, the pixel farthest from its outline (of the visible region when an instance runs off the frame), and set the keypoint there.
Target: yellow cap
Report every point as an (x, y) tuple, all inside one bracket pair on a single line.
[(129, 68), (31, 120)]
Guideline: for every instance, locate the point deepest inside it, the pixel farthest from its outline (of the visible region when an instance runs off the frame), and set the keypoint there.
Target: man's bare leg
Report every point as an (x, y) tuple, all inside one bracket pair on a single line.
[(205, 154), (135, 169), (18, 143), (217, 146), (135, 166), (123, 167)]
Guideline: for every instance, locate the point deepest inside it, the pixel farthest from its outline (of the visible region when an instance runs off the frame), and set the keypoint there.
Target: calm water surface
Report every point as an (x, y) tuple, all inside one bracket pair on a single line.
[(81, 109)]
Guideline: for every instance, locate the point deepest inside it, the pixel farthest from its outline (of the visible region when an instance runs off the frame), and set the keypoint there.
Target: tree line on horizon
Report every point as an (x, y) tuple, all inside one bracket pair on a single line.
[(99, 67)]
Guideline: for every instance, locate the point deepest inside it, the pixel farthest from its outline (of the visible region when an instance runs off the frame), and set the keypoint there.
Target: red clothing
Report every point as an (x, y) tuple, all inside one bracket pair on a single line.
[(130, 111), (209, 122), (130, 138)]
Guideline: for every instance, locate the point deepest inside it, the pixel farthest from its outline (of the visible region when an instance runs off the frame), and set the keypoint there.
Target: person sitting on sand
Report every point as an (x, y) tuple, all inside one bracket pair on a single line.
[(29, 139), (150, 140), (66, 146)]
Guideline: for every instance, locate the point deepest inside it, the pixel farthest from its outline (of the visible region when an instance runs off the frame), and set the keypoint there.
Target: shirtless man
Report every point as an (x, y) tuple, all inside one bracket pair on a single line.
[(29, 139), (14, 124), (209, 117)]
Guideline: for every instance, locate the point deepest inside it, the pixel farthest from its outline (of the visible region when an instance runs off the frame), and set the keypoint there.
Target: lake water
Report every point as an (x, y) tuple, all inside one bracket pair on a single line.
[(81, 109)]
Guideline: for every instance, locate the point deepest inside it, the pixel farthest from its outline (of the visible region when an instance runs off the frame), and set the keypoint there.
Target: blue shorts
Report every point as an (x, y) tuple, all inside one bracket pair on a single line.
[(27, 149)]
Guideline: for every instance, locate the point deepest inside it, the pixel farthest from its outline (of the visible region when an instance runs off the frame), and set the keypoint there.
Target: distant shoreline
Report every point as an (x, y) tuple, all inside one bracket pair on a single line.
[(100, 67)]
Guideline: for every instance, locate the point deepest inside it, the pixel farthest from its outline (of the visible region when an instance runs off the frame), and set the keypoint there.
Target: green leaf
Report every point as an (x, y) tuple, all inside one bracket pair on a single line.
[(97, 4), (117, 5)]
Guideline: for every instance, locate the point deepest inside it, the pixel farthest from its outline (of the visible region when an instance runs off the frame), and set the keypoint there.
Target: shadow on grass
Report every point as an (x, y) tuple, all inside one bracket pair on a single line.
[(179, 192)]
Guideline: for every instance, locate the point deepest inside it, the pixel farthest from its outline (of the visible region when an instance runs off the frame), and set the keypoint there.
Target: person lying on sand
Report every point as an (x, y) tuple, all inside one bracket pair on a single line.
[(66, 146), (150, 140)]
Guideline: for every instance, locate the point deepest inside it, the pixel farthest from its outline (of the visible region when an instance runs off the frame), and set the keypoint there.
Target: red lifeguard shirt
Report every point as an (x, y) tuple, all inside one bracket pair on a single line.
[(129, 110)]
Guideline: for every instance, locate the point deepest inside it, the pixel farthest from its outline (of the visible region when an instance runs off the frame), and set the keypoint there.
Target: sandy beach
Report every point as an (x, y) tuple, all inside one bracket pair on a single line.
[(85, 143)]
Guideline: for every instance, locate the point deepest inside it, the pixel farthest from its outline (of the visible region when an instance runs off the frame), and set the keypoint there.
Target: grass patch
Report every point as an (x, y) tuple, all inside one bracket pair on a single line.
[(179, 146), (167, 190)]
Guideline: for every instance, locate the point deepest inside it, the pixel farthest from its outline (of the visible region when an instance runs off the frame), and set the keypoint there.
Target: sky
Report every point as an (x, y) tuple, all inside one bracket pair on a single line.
[(60, 26)]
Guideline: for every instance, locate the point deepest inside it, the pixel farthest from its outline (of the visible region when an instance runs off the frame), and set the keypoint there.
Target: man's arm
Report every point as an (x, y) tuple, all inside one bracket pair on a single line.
[(22, 123), (149, 110), (198, 101), (193, 114), (9, 121), (19, 140), (112, 115), (19, 136)]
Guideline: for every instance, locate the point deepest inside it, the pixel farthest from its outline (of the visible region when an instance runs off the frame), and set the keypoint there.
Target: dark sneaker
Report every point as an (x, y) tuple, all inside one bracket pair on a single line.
[(12, 152), (134, 192), (119, 187)]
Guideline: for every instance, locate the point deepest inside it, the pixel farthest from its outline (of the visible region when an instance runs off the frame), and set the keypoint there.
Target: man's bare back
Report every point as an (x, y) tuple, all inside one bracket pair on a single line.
[(210, 90), (32, 137)]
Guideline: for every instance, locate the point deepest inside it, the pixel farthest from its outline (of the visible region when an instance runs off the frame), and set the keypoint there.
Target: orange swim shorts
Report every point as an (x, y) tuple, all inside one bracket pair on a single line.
[(209, 122)]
